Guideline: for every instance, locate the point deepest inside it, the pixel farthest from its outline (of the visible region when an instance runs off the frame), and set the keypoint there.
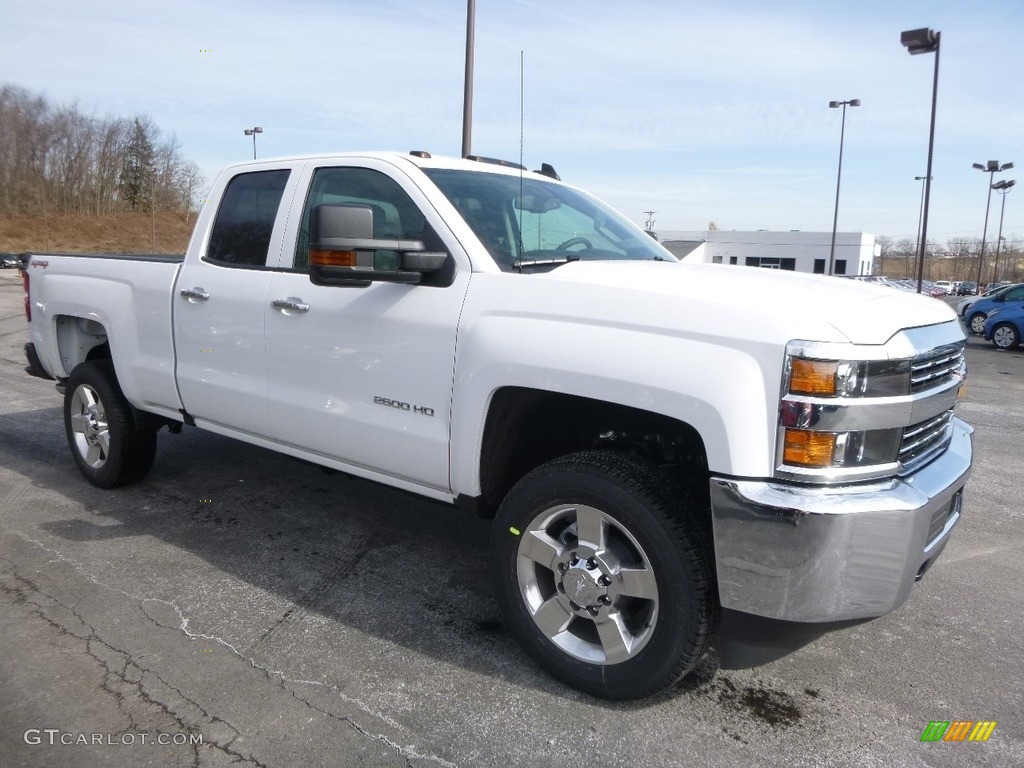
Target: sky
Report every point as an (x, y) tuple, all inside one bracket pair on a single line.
[(699, 111)]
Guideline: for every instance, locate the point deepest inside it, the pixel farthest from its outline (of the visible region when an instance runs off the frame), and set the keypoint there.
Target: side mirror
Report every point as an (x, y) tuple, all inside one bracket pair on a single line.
[(343, 250)]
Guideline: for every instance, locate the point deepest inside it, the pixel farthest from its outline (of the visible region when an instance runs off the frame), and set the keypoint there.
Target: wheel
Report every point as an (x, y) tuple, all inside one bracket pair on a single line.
[(1005, 336), (574, 241), (603, 574), (104, 442), (978, 322)]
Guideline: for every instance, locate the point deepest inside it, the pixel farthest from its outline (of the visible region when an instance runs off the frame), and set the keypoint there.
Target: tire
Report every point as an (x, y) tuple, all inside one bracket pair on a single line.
[(1006, 336), (104, 442), (621, 617), (977, 322)]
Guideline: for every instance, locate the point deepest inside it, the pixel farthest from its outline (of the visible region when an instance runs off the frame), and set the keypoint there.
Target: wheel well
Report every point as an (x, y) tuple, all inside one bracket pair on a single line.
[(527, 427), (80, 339)]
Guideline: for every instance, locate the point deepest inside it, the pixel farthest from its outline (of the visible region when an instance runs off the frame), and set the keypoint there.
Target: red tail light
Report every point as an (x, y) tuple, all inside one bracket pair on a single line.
[(28, 302)]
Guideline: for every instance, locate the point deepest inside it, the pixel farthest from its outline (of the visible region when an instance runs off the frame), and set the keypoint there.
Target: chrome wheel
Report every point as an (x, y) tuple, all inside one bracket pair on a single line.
[(978, 323), (89, 426), (587, 584)]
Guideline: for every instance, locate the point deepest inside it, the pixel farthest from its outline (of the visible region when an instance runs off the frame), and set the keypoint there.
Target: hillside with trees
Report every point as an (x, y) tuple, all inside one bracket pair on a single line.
[(64, 171)]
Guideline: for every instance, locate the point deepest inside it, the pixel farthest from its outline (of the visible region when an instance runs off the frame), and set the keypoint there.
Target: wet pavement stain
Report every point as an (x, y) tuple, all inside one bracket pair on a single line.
[(775, 708)]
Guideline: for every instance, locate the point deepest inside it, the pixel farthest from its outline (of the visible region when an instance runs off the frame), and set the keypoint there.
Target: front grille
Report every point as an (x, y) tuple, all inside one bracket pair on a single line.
[(936, 368), (925, 440)]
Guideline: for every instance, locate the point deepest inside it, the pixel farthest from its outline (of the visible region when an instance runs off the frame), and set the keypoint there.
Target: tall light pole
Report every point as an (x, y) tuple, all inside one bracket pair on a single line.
[(839, 177), (1003, 187), (920, 213), (467, 94), (992, 167), (252, 132), (917, 41)]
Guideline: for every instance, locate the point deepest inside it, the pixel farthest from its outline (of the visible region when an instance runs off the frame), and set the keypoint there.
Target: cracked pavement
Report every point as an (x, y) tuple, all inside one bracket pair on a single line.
[(291, 617)]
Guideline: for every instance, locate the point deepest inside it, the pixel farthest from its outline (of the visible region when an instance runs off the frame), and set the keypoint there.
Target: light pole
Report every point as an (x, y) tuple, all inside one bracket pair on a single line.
[(992, 167), (920, 213), (467, 93), (839, 177), (1003, 187), (252, 132), (917, 41)]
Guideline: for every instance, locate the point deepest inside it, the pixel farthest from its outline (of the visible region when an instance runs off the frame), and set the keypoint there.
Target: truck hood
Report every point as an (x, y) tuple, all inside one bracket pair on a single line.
[(822, 308)]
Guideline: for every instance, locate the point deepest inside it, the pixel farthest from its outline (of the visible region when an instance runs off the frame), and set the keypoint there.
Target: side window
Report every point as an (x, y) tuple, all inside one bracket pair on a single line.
[(1016, 294), (395, 215), (245, 219)]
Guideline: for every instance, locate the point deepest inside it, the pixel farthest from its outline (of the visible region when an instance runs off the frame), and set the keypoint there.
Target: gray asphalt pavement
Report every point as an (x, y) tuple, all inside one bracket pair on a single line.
[(285, 617)]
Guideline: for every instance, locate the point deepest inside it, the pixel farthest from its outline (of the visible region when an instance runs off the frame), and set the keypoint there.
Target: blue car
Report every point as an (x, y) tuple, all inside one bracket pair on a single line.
[(978, 312), (1005, 325)]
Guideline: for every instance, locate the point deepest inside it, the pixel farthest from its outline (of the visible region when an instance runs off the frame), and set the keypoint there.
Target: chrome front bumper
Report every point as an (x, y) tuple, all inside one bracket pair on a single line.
[(817, 554)]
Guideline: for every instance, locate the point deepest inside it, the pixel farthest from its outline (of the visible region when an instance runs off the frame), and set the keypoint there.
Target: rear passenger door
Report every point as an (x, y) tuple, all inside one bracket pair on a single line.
[(220, 306)]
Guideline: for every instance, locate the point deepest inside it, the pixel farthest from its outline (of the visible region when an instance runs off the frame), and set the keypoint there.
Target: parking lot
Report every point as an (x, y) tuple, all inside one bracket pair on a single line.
[(241, 608)]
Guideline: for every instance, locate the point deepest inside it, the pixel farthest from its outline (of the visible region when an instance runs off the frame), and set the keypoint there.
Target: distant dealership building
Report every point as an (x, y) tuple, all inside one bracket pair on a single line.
[(796, 251)]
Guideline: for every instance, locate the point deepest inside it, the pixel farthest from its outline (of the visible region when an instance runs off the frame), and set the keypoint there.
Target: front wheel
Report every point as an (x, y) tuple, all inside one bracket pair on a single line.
[(604, 575), (978, 323), (1005, 336), (105, 444)]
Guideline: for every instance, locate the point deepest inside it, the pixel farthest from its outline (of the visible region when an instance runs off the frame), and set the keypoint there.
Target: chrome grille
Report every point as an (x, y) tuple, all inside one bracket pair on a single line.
[(925, 440), (936, 368)]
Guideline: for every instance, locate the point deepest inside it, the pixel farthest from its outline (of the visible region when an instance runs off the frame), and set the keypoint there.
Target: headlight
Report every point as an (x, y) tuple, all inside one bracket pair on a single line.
[(836, 378), (814, 435)]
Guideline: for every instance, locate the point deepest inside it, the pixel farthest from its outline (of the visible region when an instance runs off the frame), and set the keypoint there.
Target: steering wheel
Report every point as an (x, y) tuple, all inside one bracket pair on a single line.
[(575, 241)]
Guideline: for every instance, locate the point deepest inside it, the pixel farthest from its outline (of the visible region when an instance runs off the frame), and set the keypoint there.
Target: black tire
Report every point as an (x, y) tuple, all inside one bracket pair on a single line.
[(977, 323), (619, 620), (104, 442), (1005, 336)]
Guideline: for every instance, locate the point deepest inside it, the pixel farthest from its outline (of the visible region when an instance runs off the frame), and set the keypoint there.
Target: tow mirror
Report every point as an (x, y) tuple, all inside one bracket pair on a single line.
[(343, 250)]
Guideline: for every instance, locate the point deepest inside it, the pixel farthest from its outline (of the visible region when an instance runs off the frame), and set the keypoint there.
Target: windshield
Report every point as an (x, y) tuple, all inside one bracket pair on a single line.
[(527, 224)]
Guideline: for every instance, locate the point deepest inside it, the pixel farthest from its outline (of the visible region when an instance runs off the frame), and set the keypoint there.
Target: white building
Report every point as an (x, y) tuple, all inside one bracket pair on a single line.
[(796, 251)]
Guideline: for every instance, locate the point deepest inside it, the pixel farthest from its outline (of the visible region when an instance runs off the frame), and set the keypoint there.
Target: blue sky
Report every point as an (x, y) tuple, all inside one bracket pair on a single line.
[(698, 111)]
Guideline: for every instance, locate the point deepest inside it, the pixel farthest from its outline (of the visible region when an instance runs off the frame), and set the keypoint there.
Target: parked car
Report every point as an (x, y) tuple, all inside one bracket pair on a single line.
[(967, 288), (964, 306), (946, 285), (9, 261), (1005, 326), (977, 313)]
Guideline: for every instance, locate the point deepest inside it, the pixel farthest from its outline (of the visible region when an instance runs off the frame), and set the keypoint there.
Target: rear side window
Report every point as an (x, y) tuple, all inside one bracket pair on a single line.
[(245, 219)]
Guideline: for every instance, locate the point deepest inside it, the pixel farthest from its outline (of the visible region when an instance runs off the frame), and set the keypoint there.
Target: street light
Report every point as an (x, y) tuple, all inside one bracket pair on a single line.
[(1003, 187), (992, 167), (920, 212), (252, 132), (839, 176), (917, 41)]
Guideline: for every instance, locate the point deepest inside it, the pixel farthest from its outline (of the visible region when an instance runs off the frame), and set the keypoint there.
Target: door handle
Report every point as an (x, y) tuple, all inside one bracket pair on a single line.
[(290, 305), (195, 294)]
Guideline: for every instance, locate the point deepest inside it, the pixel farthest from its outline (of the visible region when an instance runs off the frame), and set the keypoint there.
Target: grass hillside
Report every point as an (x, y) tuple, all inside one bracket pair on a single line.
[(114, 233)]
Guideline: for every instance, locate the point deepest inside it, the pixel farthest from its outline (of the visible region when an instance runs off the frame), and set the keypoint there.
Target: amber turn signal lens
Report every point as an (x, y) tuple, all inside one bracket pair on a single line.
[(320, 258), (813, 377), (805, 448)]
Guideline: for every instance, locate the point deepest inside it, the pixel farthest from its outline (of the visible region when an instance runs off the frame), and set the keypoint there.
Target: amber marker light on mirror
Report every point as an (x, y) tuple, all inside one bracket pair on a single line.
[(320, 258), (813, 377), (805, 448)]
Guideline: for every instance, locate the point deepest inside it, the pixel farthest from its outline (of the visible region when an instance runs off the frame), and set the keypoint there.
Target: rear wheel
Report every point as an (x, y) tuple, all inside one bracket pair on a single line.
[(977, 322), (105, 444), (1006, 336), (604, 574)]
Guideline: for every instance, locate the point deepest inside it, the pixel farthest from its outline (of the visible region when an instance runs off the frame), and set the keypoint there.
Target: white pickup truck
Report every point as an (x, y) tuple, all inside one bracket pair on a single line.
[(655, 441)]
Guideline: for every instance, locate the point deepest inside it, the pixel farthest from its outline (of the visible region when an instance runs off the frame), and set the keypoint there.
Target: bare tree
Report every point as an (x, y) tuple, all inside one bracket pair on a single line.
[(59, 158)]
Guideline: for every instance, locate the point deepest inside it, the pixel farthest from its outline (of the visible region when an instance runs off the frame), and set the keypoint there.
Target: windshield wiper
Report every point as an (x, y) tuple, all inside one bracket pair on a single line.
[(520, 263)]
